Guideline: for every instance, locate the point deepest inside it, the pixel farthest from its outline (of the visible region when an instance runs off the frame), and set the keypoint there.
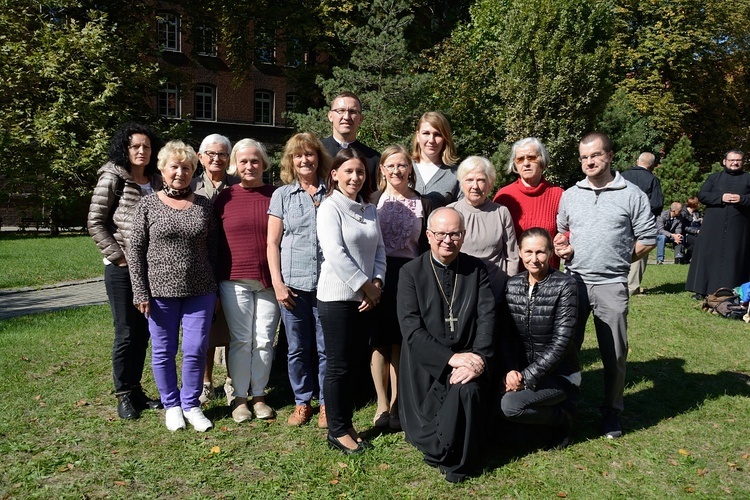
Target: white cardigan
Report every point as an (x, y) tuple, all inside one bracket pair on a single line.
[(352, 245)]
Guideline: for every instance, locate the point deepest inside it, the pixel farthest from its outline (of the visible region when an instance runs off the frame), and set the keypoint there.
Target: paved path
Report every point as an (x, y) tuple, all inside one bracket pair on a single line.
[(21, 301)]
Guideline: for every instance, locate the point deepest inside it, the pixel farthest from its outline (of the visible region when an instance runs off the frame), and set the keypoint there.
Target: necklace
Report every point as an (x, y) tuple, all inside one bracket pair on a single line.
[(450, 319)]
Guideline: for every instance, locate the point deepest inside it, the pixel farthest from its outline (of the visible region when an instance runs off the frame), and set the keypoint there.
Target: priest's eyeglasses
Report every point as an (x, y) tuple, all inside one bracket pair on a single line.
[(454, 236)]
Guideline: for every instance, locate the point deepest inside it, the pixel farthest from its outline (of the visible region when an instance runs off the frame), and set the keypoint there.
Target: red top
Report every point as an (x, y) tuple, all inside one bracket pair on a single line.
[(243, 218), (532, 207)]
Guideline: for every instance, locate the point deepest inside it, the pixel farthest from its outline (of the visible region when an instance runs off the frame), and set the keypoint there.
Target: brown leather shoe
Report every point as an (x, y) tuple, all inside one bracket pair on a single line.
[(302, 414), (322, 419)]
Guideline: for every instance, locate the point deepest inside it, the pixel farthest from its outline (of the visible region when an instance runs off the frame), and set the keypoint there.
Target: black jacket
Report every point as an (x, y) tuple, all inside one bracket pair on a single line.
[(545, 323), (649, 184)]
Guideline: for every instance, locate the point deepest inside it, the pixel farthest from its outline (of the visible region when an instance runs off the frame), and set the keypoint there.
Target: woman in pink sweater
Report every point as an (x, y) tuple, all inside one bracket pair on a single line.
[(531, 200)]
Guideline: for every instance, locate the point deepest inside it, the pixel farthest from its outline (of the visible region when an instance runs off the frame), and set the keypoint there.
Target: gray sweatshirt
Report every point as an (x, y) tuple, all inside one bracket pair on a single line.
[(604, 226)]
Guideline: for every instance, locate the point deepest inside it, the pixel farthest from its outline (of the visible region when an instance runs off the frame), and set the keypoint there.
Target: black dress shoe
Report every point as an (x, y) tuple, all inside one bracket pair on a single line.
[(142, 402), (335, 444), (125, 408)]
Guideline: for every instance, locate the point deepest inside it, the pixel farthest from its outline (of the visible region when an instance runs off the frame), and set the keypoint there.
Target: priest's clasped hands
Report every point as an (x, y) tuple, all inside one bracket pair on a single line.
[(466, 367)]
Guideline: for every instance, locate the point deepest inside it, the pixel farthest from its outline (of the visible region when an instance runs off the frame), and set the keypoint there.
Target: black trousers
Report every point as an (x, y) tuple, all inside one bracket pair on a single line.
[(346, 333), (131, 331)]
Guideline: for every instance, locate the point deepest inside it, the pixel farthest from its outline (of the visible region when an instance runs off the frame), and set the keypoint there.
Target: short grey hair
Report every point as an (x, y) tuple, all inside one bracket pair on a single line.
[(523, 143), (248, 143), (477, 163), (215, 139)]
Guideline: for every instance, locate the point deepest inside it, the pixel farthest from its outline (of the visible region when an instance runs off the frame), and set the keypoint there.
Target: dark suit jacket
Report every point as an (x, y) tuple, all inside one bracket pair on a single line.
[(372, 157)]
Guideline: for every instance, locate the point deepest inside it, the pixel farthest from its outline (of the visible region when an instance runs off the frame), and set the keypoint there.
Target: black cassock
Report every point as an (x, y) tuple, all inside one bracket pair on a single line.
[(721, 256), (444, 421)]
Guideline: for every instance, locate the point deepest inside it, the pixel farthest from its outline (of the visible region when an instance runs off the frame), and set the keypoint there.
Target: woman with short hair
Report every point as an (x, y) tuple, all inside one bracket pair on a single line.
[(173, 254), (245, 286), (489, 227), (531, 199), (214, 157)]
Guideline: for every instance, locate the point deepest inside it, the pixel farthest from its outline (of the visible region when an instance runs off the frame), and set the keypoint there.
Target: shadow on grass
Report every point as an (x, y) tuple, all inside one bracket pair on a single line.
[(666, 288), (671, 391)]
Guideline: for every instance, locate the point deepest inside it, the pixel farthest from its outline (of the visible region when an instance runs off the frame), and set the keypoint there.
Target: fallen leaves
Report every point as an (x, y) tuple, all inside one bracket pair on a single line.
[(80, 402), (684, 452), (66, 468), (215, 450)]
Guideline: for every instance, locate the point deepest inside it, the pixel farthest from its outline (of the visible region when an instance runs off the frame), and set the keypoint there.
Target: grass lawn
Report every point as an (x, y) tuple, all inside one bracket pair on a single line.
[(29, 260), (687, 425)]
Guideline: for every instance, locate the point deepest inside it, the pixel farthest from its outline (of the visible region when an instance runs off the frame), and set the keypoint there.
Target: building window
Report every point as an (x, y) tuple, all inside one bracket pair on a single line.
[(169, 32), (205, 102), (265, 47), (291, 102), (205, 41), (295, 54), (169, 101), (264, 107)]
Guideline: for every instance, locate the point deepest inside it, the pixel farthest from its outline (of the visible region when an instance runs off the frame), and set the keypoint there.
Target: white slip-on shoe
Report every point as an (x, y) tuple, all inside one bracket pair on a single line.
[(197, 419)]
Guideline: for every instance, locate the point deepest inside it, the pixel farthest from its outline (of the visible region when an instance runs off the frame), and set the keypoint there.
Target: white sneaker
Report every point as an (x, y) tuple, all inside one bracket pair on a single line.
[(197, 419), (207, 394), (229, 390), (174, 419)]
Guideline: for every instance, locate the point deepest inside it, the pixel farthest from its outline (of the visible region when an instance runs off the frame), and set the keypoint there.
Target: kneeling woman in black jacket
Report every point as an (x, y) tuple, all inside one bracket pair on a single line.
[(542, 386)]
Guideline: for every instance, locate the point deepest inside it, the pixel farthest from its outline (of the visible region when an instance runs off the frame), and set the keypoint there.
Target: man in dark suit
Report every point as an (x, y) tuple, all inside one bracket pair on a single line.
[(345, 116), (446, 313)]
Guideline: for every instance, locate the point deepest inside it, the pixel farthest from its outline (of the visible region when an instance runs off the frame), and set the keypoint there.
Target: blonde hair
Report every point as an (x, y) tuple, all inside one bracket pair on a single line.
[(438, 121), (297, 144), (396, 149), (248, 143), (179, 151)]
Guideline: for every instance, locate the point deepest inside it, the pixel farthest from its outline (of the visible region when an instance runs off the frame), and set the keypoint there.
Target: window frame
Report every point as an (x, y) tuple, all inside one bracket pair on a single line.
[(163, 100), (258, 106), (169, 23), (200, 95)]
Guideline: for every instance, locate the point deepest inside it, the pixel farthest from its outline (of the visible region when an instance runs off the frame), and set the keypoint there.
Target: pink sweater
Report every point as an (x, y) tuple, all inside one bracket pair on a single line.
[(243, 218), (532, 207)]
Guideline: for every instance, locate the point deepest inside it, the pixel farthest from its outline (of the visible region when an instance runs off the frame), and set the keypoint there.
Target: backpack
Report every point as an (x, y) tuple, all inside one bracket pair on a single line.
[(724, 302)]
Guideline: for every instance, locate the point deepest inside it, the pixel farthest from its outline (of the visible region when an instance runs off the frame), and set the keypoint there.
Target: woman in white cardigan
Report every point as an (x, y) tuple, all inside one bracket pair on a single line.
[(351, 279)]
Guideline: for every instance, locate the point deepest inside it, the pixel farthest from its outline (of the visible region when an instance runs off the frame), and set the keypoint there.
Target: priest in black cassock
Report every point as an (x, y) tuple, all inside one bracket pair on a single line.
[(446, 313)]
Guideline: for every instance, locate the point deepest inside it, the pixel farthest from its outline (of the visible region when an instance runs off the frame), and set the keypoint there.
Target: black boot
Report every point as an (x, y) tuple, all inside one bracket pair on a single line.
[(125, 407), (142, 402)]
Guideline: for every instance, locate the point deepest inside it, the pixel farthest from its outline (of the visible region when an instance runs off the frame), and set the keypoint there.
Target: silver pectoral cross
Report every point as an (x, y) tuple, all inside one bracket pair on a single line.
[(450, 320)]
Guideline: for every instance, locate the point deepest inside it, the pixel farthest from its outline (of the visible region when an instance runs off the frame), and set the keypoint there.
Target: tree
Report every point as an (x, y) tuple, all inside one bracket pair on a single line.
[(630, 131), (527, 68), (679, 173), (382, 72), (69, 74), (684, 66)]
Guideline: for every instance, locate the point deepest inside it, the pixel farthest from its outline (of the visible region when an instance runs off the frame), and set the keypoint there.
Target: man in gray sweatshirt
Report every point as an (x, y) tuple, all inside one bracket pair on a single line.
[(604, 224)]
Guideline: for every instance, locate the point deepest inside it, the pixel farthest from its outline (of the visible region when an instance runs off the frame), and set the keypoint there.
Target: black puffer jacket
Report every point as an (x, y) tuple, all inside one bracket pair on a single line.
[(545, 323)]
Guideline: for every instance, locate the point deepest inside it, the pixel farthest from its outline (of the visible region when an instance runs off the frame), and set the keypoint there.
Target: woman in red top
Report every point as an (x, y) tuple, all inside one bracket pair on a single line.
[(531, 200), (245, 289)]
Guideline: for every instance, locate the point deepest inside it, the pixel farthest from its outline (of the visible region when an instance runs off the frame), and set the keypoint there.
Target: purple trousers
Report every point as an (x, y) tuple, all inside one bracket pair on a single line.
[(167, 314)]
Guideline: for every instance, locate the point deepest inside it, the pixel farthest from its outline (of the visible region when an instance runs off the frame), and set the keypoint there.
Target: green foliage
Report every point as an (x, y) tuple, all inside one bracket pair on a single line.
[(70, 73), (381, 71), (679, 173), (630, 131), (527, 68), (684, 65)]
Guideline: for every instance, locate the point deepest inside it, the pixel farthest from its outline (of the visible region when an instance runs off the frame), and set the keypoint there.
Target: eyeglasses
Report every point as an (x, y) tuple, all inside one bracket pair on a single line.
[(401, 167), (214, 154), (136, 147), (519, 160), (454, 236), (592, 157), (342, 112)]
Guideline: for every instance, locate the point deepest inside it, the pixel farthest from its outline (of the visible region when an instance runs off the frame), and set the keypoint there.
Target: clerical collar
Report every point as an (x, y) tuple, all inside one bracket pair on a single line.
[(441, 265), (344, 145)]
